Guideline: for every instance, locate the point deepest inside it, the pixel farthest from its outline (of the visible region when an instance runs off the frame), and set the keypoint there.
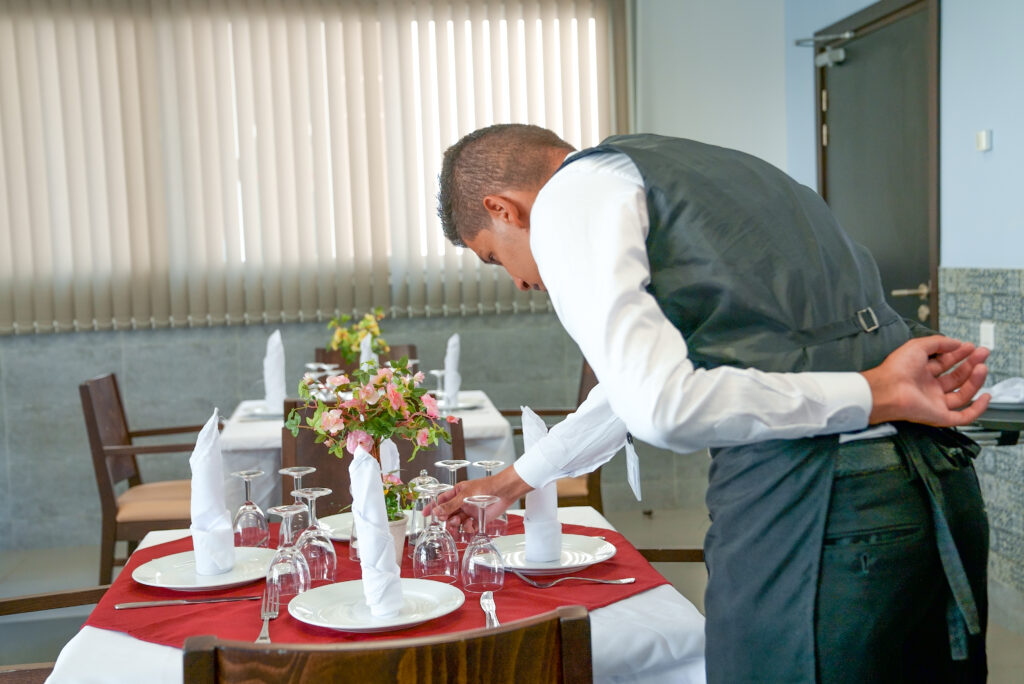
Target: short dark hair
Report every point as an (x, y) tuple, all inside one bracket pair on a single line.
[(486, 161)]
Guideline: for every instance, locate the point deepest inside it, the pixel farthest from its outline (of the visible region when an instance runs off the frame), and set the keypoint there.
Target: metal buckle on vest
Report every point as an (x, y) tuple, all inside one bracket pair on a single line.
[(862, 318)]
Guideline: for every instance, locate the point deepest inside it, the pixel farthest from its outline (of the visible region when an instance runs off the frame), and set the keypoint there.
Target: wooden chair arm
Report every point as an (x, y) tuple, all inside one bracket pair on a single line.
[(692, 555), (130, 449), (152, 432), (48, 601)]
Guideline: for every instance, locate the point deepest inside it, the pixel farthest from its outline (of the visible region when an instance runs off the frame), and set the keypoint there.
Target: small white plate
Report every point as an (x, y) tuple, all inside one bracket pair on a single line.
[(340, 525), (178, 571), (578, 551), (341, 606)]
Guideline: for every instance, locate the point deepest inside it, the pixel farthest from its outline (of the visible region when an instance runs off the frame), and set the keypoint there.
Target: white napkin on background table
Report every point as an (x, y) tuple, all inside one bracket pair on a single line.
[(540, 521), (1006, 392), (273, 374), (452, 377), (366, 351), (212, 534), (388, 456), (382, 587)]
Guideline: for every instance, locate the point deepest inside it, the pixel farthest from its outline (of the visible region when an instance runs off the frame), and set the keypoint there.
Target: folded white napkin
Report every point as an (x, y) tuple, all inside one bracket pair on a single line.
[(366, 351), (388, 457), (1006, 392), (382, 587), (543, 531), (273, 374), (452, 378), (212, 534)]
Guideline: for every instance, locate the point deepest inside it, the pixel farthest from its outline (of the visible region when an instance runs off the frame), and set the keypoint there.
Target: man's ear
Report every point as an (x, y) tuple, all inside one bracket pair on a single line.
[(504, 209)]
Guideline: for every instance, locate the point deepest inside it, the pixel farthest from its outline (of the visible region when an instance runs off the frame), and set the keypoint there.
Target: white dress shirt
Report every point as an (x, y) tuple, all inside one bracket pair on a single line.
[(588, 228)]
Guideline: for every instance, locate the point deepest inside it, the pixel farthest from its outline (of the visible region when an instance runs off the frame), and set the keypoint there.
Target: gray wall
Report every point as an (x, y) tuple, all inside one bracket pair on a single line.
[(48, 494)]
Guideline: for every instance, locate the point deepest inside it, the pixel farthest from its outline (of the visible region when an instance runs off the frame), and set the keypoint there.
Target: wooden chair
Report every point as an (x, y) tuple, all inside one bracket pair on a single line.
[(37, 673), (142, 507), (396, 352), (332, 472), (584, 490), (548, 648)]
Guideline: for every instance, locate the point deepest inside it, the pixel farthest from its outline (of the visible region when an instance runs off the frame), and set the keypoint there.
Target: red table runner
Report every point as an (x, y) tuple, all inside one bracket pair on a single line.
[(171, 625)]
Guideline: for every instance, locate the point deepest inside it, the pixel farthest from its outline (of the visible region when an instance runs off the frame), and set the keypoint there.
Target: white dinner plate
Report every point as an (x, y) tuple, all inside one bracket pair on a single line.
[(578, 551), (178, 571), (340, 525), (1004, 406), (341, 606)]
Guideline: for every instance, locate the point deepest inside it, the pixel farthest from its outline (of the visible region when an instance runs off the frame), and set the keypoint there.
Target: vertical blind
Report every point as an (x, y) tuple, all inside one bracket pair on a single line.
[(193, 163)]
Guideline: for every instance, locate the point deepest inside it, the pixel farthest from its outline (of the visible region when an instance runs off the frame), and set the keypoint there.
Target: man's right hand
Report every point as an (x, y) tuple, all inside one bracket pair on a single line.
[(921, 382), (506, 485)]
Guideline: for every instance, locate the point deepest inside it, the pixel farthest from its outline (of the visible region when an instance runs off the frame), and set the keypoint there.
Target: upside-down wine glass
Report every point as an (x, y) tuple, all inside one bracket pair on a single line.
[(483, 568), (435, 557), (289, 571), (452, 465), (418, 521), (314, 542), (250, 524), (299, 521), (498, 525)]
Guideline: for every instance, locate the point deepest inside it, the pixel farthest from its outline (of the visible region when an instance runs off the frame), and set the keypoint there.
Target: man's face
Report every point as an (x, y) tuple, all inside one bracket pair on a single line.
[(508, 245)]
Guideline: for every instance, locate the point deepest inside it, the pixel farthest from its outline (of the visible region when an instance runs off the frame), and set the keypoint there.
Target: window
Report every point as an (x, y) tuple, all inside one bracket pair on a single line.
[(166, 163)]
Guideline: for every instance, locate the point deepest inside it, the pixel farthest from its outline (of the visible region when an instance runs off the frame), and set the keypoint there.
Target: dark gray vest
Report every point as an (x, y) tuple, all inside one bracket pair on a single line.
[(754, 271)]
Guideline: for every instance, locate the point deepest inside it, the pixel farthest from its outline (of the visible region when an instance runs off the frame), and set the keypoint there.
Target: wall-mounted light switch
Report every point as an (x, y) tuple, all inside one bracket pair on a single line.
[(987, 335), (983, 140)]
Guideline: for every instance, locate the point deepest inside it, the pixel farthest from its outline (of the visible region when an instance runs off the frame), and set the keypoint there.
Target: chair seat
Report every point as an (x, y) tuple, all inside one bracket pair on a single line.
[(165, 500), (572, 486)]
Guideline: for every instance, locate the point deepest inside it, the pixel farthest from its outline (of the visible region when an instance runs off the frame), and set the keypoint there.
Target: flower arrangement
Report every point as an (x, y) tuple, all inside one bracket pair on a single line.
[(347, 339), (372, 405)]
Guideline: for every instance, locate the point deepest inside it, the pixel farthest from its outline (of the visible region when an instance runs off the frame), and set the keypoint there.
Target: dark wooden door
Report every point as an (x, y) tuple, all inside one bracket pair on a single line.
[(878, 144)]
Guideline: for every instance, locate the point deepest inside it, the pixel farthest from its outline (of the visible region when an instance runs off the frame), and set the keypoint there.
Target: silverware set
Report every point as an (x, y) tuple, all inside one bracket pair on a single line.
[(487, 604), (546, 585), (268, 611)]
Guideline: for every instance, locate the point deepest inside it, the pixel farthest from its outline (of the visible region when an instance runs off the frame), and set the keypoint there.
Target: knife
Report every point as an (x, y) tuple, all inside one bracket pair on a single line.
[(181, 602)]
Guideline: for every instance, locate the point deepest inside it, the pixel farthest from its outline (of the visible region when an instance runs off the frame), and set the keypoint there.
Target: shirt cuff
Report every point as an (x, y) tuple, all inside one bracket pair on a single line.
[(538, 464), (847, 400)]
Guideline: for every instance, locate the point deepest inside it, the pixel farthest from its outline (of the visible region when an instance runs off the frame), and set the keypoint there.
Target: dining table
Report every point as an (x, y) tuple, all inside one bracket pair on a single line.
[(646, 632), (251, 439)]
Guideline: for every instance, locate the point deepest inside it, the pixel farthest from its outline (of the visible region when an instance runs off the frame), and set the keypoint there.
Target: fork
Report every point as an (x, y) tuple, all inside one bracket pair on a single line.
[(545, 585), (268, 611)]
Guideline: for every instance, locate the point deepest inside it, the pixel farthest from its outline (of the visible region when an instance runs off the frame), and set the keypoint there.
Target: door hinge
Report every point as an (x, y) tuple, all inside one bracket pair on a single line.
[(824, 135), (824, 100)]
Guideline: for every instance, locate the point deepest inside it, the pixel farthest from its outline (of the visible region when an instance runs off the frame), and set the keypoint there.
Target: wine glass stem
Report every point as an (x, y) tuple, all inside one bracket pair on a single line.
[(433, 509), (312, 511), (248, 490), (286, 529), (297, 480), (482, 525)]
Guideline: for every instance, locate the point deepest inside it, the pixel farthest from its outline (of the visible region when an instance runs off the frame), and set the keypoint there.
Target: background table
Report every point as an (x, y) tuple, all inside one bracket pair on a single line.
[(250, 439), (653, 637)]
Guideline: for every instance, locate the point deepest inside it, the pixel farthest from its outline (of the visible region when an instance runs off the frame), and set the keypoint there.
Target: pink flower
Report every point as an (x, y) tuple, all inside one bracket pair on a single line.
[(356, 439), (423, 437), (430, 403), (331, 421), (369, 394), (452, 419), (383, 375), (337, 380), (418, 378), (309, 379), (395, 397), (391, 478)]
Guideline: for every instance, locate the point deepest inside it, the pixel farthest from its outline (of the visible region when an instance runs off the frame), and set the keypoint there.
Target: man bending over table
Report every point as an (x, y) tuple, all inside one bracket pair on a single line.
[(721, 305)]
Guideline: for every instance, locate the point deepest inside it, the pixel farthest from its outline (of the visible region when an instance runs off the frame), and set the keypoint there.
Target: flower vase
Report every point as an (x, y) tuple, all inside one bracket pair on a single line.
[(398, 529)]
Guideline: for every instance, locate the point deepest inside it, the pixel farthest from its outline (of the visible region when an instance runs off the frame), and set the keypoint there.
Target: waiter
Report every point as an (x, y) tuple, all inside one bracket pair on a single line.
[(721, 305)]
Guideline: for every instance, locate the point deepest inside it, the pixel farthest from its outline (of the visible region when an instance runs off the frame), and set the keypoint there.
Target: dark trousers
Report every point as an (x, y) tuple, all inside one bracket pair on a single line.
[(881, 607)]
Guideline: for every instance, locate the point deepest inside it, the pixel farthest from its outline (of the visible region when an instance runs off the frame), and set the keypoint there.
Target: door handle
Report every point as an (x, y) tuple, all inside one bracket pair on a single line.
[(922, 291)]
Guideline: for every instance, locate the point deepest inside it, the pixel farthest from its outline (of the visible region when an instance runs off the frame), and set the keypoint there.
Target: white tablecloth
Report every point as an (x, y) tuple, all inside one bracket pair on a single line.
[(651, 638), (252, 440)]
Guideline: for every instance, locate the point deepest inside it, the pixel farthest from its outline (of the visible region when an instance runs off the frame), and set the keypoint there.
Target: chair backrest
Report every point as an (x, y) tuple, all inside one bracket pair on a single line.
[(332, 472), (106, 425), (396, 352), (549, 648)]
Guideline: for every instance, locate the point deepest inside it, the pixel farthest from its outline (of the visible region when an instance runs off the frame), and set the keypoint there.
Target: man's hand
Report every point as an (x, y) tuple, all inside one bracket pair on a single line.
[(506, 485), (915, 383)]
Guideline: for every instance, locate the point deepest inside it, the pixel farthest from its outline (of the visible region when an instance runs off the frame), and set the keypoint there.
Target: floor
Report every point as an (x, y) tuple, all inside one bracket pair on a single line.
[(39, 637)]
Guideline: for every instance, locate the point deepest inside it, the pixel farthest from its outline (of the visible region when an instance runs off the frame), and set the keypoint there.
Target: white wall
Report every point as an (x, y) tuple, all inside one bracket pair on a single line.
[(982, 87), (713, 71)]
